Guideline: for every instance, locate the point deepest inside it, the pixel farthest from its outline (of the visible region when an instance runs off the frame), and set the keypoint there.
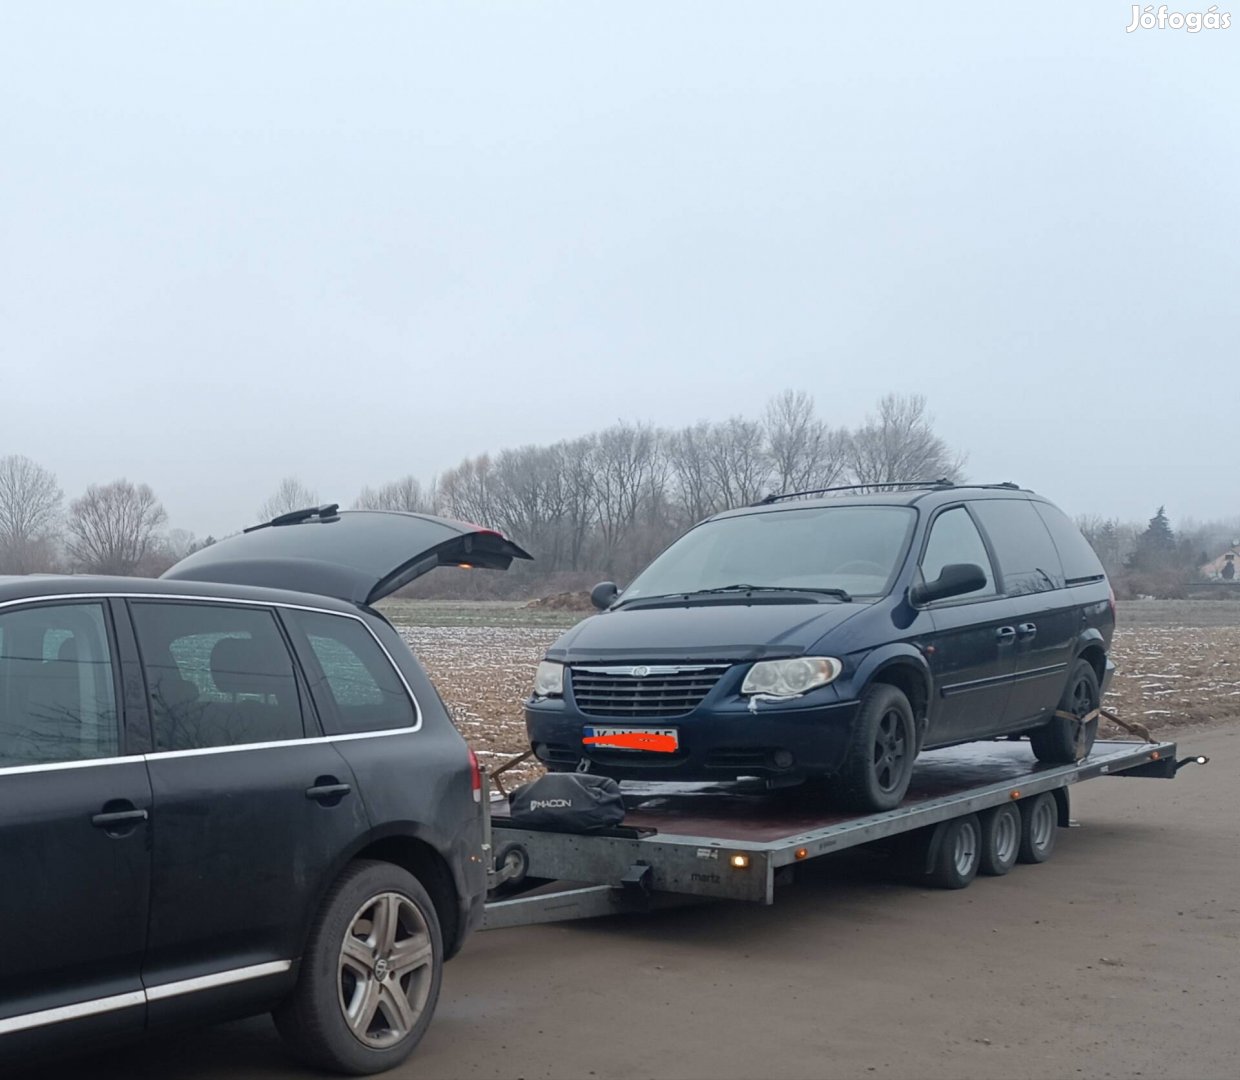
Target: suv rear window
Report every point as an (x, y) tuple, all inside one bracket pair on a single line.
[(1027, 556), (1080, 563), (57, 693), (216, 675), (356, 687)]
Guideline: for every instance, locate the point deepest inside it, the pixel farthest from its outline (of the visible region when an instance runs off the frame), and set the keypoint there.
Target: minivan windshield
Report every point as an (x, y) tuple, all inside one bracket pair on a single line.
[(852, 548)]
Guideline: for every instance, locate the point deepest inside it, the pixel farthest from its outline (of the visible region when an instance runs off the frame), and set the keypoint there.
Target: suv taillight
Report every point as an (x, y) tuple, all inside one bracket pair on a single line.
[(1111, 590), (475, 776)]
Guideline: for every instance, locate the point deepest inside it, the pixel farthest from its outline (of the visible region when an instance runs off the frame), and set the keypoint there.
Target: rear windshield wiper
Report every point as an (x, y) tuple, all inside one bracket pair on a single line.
[(772, 588)]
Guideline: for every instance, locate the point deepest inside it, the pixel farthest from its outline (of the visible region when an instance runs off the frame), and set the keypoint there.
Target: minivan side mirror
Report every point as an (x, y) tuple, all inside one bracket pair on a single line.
[(603, 595), (955, 579)]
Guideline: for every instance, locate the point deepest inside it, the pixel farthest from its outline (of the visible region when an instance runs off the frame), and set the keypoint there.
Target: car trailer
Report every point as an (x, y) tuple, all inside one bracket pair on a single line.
[(981, 806)]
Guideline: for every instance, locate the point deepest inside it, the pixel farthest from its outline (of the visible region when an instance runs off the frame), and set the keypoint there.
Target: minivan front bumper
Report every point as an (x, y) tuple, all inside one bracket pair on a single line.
[(773, 739)]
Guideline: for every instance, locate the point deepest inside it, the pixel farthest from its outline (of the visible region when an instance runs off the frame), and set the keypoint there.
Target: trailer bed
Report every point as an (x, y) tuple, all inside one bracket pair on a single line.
[(729, 840)]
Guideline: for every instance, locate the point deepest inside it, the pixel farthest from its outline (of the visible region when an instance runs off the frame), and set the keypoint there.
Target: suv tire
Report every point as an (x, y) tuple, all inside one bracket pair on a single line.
[(370, 974), (1057, 743), (879, 763)]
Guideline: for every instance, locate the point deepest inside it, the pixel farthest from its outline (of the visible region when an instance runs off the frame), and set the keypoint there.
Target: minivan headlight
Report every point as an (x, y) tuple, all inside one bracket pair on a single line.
[(790, 678), (549, 679)]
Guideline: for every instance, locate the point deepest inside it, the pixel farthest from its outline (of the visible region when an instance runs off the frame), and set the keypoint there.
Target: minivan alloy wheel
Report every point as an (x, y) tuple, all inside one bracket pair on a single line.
[(385, 970), (890, 750)]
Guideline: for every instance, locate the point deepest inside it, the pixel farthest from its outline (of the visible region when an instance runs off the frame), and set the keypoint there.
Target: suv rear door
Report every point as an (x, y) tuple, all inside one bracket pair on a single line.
[(253, 808), (357, 555), (74, 830)]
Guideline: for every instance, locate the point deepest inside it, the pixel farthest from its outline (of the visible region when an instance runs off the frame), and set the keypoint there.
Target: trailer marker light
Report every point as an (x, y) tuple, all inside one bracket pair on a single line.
[(802, 853), (1016, 794), (1155, 755), (739, 862)]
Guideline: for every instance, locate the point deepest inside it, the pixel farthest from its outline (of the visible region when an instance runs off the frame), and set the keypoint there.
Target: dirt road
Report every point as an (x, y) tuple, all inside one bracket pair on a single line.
[(1118, 958)]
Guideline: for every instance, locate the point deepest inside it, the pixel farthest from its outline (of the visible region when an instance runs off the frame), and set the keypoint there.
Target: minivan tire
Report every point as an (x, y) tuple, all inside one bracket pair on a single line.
[(1056, 743), (313, 1022), (878, 764)]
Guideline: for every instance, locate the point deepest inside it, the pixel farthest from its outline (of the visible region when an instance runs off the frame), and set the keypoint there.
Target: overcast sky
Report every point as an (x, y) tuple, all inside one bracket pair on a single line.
[(353, 241)]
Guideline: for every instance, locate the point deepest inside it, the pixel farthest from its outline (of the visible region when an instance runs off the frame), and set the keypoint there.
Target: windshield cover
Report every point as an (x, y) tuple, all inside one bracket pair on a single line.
[(855, 548)]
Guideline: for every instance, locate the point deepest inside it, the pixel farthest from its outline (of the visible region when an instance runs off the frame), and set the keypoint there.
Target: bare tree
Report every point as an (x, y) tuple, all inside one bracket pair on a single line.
[(406, 494), (736, 464), (803, 451), (900, 444), (291, 495), (467, 491), (30, 501), (113, 527)]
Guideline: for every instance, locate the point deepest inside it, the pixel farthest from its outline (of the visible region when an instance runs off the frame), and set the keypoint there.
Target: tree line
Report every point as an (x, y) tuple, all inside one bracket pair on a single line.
[(602, 504)]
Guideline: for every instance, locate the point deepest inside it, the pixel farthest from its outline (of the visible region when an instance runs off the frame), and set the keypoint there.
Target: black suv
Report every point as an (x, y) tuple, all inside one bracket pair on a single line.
[(834, 636), (234, 790)]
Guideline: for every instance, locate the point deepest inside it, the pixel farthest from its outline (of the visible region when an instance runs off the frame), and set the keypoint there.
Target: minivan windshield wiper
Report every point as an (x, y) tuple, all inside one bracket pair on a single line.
[(667, 599), (773, 588)]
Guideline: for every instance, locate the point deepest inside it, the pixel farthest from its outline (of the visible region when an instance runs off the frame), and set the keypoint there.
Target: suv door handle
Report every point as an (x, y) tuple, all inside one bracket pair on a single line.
[(1006, 634), (1027, 630), (115, 822), (328, 791)]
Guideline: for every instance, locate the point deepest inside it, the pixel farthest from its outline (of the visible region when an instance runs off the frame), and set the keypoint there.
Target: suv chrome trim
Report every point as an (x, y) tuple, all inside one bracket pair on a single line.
[(81, 763), (76, 1011), (219, 978), (161, 755), (81, 1009)]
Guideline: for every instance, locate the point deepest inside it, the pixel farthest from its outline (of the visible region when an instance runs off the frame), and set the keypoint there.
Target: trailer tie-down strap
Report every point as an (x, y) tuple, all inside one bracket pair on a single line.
[(1130, 726)]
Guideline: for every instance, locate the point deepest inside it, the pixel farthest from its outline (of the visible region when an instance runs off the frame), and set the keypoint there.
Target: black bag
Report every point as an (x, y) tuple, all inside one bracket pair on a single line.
[(571, 802)]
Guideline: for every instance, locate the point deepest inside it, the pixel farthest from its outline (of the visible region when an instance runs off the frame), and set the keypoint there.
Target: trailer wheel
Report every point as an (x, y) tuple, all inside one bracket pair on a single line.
[(958, 856), (1001, 833), (1061, 742), (879, 764), (1039, 818)]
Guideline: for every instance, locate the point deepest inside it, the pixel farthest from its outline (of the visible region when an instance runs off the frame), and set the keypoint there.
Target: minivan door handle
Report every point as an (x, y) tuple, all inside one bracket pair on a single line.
[(1026, 630), (327, 790), (1006, 634)]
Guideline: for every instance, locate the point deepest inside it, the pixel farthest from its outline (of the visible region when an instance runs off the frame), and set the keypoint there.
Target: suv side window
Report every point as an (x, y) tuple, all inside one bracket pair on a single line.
[(1026, 553), (355, 684), (57, 691), (1080, 563), (955, 539), (216, 675)]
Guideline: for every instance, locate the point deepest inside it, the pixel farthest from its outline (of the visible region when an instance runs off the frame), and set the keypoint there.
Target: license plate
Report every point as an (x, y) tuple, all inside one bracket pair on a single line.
[(657, 740)]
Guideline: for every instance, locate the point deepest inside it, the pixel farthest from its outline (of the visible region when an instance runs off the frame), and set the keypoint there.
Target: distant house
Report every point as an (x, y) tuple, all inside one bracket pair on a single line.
[(1213, 570)]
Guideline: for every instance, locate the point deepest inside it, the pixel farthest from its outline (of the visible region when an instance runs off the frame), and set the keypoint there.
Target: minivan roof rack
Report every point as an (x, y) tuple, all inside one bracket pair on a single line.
[(928, 484)]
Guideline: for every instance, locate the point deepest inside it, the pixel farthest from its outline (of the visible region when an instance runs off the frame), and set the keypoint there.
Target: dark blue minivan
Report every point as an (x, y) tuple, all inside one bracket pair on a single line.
[(829, 636)]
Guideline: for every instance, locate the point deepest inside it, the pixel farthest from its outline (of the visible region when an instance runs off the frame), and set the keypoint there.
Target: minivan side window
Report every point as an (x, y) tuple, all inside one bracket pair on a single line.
[(955, 539), (355, 685), (57, 691), (1027, 556), (216, 675), (1080, 563)]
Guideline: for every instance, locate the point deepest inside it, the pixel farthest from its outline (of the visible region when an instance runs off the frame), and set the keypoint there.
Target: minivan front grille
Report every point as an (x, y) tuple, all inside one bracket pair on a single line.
[(643, 690)]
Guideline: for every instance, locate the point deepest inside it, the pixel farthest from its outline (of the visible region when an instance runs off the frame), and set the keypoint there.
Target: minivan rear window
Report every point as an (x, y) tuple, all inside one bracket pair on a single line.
[(1080, 563), (1027, 556)]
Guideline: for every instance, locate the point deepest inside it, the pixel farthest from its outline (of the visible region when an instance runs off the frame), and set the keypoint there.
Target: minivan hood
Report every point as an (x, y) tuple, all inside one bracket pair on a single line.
[(731, 632), (356, 555)]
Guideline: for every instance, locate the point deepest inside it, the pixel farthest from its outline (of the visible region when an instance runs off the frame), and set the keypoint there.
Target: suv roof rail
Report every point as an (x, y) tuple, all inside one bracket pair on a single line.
[(326, 512), (927, 484)]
